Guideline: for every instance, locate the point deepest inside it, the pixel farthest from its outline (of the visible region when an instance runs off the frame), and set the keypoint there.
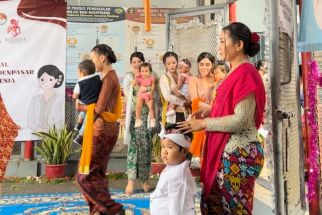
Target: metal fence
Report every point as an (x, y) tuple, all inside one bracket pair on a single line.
[(176, 4), (261, 53), (193, 31)]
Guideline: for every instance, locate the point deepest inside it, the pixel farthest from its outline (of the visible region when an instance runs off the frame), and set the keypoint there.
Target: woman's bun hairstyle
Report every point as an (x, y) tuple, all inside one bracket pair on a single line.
[(253, 49), (138, 55), (103, 49), (239, 31), (169, 54)]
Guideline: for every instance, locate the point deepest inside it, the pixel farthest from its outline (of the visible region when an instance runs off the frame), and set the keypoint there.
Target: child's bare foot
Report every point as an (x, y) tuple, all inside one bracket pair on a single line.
[(146, 187), (129, 187)]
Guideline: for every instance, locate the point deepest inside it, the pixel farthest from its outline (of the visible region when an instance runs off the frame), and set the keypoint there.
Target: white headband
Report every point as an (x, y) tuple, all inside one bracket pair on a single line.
[(178, 138), (184, 64)]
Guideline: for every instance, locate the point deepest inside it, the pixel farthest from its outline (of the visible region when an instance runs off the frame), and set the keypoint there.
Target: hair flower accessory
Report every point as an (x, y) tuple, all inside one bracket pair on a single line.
[(254, 38)]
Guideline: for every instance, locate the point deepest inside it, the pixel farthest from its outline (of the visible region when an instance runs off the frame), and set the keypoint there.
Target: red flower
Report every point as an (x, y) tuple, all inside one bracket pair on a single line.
[(254, 38)]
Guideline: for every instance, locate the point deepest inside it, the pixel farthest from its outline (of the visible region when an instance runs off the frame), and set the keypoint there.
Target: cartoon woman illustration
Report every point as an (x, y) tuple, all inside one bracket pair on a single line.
[(318, 12), (47, 109)]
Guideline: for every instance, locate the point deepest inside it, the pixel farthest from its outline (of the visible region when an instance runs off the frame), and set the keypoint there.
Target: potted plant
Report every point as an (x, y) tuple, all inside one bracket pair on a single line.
[(55, 148), (157, 164)]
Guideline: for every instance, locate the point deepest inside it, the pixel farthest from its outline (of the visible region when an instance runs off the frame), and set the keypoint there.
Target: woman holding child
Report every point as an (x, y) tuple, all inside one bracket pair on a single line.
[(168, 82), (233, 157), (138, 140), (105, 131)]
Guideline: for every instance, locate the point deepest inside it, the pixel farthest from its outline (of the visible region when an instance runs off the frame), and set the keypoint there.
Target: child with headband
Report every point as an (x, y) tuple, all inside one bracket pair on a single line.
[(174, 193)]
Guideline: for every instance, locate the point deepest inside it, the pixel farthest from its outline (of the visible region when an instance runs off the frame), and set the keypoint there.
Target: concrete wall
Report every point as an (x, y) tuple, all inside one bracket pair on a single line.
[(251, 12)]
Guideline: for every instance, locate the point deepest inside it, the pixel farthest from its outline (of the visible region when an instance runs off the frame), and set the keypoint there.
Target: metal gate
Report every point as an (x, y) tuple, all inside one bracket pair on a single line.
[(196, 30), (286, 117)]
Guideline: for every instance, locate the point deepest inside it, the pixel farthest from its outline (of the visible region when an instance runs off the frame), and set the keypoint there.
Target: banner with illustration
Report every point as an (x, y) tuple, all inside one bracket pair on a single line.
[(32, 63)]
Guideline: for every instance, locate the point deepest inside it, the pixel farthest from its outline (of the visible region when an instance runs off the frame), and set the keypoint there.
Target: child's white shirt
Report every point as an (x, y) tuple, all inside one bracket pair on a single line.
[(174, 193)]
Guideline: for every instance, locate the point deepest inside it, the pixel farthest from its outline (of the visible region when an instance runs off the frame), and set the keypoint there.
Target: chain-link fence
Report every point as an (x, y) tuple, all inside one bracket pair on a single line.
[(70, 111), (176, 4), (190, 34), (196, 31), (261, 53)]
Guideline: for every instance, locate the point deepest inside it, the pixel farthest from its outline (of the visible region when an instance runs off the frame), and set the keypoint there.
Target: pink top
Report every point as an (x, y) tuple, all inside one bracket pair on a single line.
[(145, 82), (186, 76)]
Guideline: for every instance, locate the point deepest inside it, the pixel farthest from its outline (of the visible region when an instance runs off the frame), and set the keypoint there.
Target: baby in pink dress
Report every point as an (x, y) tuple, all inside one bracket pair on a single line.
[(182, 88), (146, 80)]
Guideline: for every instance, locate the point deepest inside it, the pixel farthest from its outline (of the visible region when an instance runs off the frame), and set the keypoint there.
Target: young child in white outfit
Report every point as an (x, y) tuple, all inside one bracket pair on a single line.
[(174, 193)]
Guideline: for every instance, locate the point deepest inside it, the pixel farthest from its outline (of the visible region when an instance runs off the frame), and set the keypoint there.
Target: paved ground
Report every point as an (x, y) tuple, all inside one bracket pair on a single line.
[(66, 186), (263, 196)]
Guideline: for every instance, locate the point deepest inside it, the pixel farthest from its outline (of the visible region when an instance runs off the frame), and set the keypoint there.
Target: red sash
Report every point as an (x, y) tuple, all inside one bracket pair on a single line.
[(243, 81)]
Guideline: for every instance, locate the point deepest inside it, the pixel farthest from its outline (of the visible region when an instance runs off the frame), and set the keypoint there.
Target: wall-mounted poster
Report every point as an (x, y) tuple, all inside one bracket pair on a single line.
[(89, 26), (32, 63), (120, 28), (152, 44)]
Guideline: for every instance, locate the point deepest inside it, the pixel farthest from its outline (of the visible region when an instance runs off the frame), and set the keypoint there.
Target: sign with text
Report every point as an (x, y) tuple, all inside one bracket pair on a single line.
[(120, 28), (89, 26)]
